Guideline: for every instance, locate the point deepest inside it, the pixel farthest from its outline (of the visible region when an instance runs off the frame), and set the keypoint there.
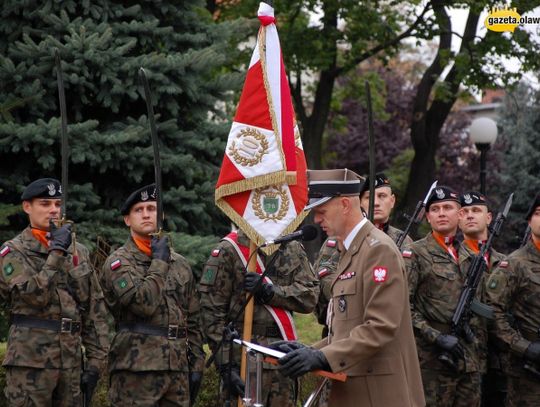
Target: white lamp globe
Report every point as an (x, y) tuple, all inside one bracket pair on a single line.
[(483, 131)]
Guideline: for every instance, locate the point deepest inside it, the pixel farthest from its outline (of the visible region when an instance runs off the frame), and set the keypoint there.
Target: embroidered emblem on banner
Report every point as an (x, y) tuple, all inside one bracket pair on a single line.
[(380, 274), (249, 147), (270, 203)]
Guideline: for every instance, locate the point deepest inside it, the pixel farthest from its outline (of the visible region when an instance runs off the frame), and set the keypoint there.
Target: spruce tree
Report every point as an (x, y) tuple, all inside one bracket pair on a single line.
[(102, 45)]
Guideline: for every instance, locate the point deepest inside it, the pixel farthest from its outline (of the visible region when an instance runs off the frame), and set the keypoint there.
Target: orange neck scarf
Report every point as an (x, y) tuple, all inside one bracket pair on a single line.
[(536, 243), (143, 245), (474, 245), (41, 236), (447, 243)]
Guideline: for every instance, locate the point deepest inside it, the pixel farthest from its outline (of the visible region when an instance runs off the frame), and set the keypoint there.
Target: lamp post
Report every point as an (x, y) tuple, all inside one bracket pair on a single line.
[(483, 133)]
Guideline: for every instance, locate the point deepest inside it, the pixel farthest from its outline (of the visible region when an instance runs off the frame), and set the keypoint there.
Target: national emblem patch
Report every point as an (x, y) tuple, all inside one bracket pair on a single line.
[(323, 272), (331, 243), (215, 252), (407, 254), (380, 274), (5, 250), (116, 264)]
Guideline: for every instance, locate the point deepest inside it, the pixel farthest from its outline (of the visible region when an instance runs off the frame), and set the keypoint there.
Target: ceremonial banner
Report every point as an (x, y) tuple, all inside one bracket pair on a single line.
[(262, 185)]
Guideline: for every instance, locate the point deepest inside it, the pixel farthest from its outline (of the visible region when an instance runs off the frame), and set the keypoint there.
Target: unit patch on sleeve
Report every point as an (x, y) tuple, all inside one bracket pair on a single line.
[(5, 250), (116, 264), (209, 275), (380, 274)]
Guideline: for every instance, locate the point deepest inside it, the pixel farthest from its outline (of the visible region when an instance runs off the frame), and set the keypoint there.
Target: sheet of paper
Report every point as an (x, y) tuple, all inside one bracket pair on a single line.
[(261, 349)]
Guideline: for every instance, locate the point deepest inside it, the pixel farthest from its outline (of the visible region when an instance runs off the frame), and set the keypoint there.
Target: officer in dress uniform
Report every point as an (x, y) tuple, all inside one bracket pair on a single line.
[(370, 333), (436, 277), (513, 290), (156, 357), (56, 306)]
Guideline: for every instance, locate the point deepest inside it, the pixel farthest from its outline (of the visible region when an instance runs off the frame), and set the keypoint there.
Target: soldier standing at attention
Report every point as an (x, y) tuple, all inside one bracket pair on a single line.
[(474, 220), (292, 287), (384, 203), (55, 305), (370, 333), (513, 289), (156, 357), (436, 278)]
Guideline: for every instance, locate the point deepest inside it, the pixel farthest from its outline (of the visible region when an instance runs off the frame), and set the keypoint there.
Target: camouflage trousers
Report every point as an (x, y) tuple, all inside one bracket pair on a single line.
[(26, 386), (448, 389), (523, 392), (277, 390), (149, 388)]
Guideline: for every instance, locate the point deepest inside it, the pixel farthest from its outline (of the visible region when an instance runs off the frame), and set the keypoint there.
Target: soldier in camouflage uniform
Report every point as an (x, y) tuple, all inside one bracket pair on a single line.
[(513, 289), (474, 220), (156, 357), (55, 305), (294, 288), (436, 277)]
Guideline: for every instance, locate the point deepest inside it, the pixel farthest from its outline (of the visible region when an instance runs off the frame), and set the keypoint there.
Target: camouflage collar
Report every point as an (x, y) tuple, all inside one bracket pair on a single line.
[(436, 250), (532, 251), (30, 243)]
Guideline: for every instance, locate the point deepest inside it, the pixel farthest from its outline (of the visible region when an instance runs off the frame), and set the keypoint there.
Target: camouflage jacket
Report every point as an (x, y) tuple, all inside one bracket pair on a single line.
[(295, 289), (139, 289), (435, 284), (37, 284), (513, 290), (326, 265)]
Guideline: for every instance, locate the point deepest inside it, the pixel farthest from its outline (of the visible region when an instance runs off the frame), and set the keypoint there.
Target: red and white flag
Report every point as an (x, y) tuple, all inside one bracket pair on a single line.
[(262, 185)]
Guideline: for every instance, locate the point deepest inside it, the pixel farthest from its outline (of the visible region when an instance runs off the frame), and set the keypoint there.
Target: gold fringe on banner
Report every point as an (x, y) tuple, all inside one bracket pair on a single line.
[(248, 184)]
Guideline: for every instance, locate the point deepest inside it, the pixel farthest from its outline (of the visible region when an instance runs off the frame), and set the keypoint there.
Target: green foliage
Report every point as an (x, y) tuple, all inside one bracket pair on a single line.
[(102, 45)]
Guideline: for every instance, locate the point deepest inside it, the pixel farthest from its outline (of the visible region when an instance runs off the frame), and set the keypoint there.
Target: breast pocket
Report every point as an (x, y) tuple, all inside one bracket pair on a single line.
[(345, 304), (532, 294), (442, 280)]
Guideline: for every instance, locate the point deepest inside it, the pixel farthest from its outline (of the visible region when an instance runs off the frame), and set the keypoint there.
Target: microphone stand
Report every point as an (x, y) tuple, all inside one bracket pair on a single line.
[(229, 331)]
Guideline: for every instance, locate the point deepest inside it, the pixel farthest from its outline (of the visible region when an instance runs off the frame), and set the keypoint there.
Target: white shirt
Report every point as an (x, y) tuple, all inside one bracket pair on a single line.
[(350, 237)]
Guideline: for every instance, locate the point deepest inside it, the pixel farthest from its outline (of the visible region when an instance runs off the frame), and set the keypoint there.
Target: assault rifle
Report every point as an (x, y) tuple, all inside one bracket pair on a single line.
[(526, 236), (533, 367), (414, 218), (467, 302)]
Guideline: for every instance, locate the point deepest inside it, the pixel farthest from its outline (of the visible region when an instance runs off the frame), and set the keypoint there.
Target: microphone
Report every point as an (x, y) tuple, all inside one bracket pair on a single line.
[(308, 232)]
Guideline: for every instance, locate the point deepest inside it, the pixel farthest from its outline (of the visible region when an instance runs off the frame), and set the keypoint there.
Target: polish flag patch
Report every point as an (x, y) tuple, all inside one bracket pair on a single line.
[(380, 274), (115, 264), (5, 250), (503, 264), (323, 272), (406, 254), (331, 243), (215, 252)]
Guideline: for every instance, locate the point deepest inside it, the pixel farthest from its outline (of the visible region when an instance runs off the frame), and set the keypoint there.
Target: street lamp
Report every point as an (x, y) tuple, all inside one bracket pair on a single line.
[(483, 133)]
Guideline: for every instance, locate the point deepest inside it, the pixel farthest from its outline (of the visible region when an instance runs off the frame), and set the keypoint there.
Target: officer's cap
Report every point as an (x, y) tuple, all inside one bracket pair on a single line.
[(535, 204), (145, 194), (326, 184), (442, 193), (471, 198), (49, 188), (381, 180)]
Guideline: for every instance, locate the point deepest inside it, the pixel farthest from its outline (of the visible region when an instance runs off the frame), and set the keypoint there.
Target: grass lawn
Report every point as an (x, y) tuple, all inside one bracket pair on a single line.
[(307, 327)]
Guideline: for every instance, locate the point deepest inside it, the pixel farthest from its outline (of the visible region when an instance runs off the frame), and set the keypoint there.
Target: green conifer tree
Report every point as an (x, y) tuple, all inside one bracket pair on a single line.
[(102, 45)]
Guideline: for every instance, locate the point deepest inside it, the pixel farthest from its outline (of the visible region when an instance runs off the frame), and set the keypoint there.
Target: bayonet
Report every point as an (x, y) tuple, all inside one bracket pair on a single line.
[(63, 133), (155, 146), (371, 146)]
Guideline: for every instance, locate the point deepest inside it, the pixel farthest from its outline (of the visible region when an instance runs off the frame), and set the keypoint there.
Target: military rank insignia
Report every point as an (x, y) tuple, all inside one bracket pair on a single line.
[(116, 264), (347, 276), (380, 274), (4, 251)]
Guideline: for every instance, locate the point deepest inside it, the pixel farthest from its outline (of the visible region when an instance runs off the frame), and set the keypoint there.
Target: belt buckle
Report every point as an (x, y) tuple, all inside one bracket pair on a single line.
[(172, 332), (66, 325)]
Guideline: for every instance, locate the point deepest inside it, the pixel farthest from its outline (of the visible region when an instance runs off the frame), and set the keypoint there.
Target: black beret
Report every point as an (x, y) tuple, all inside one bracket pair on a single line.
[(144, 194), (535, 204), (381, 180), (470, 198), (49, 188), (440, 194)]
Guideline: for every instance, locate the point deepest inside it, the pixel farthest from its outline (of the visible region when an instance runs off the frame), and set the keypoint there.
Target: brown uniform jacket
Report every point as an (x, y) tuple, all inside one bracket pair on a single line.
[(371, 337)]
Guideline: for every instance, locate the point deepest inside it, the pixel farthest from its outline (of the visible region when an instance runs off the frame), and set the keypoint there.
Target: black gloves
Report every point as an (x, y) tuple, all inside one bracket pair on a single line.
[(301, 361), (263, 292), (59, 238), (533, 351), (89, 379), (237, 386), (286, 346), (450, 343), (195, 380), (160, 248)]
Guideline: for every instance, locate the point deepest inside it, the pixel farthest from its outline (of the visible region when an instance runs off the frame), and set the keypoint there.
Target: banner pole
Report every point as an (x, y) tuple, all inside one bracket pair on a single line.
[(248, 315)]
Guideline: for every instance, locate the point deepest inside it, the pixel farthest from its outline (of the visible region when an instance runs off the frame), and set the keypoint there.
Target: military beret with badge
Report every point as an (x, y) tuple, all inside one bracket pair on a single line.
[(324, 185), (471, 198), (535, 204), (440, 194), (144, 194), (381, 180), (48, 188)]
